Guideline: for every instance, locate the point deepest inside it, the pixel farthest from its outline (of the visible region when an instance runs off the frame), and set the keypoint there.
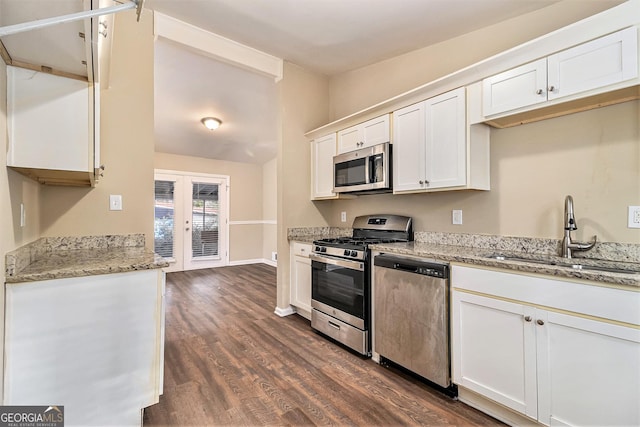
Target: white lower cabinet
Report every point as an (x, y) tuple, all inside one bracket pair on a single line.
[(300, 294), (494, 351), (555, 367), (87, 343)]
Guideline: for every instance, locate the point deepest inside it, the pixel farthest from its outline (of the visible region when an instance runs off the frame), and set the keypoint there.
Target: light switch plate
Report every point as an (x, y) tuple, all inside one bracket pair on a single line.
[(115, 202), (634, 217), (456, 217)]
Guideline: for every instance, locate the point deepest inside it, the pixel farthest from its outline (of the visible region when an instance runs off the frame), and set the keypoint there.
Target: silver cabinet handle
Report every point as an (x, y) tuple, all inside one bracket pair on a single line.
[(527, 318), (186, 229), (551, 88), (540, 322), (421, 182), (333, 325), (539, 92)]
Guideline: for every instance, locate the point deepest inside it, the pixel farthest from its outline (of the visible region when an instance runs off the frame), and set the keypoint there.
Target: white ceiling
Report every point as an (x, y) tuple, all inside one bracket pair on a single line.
[(326, 36), (189, 87)]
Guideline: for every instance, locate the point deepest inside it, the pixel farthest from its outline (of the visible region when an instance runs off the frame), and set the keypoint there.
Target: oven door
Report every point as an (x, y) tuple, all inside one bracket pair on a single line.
[(339, 284)]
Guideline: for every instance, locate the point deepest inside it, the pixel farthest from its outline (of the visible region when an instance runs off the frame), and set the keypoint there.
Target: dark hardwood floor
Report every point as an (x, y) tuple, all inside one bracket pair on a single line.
[(229, 360)]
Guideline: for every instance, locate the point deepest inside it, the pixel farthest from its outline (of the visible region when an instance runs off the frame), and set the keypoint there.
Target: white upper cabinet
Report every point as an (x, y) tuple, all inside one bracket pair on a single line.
[(48, 121), (516, 88), (53, 92), (322, 151), (602, 62), (372, 132), (586, 69), (432, 146), (409, 148)]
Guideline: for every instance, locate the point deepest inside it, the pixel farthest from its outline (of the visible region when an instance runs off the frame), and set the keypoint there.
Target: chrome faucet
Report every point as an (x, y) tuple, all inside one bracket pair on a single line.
[(569, 225)]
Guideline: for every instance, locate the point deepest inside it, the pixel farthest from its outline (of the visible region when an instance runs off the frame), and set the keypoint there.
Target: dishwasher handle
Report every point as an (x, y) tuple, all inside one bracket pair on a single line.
[(412, 266)]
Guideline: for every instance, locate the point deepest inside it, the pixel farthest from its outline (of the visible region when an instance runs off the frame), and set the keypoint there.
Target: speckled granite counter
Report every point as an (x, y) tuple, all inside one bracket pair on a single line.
[(476, 249), (479, 249), (309, 234), (63, 257)]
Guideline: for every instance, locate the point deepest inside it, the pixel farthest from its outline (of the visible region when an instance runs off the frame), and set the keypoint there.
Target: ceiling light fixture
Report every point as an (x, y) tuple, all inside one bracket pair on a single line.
[(211, 123)]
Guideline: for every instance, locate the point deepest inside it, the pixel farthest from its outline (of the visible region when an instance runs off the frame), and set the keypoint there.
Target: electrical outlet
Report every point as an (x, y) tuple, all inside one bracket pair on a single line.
[(634, 217), (115, 202), (456, 217), (343, 216), (274, 256)]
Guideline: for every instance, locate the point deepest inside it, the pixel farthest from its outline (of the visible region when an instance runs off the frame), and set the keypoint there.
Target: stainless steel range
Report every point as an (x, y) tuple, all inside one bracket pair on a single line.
[(340, 281)]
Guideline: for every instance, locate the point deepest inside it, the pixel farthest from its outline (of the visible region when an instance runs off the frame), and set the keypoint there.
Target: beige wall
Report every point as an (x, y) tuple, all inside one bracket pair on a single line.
[(269, 208), (361, 88), (304, 104), (247, 184), (127, 147), (594, 156)]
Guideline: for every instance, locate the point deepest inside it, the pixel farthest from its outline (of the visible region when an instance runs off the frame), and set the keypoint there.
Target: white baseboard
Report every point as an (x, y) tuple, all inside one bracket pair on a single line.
[(283, 312), (254, 261)]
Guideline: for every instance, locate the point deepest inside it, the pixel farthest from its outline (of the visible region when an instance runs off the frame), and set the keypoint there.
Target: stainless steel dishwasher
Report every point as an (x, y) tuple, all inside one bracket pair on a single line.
[(411, 312)]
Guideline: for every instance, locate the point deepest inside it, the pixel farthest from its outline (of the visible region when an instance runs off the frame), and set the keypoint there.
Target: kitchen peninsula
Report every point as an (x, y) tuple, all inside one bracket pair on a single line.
[(85, 327)]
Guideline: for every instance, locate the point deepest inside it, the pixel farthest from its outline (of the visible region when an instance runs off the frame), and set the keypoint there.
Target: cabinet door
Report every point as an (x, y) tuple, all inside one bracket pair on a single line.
[(349, 139), (494, 350), (323, 150), (372, 132), (102, 336), (48, 121), (446, 153), (602, 62), (300, 292), (516, 88), (409, 148), (588, 371), (375, 131)]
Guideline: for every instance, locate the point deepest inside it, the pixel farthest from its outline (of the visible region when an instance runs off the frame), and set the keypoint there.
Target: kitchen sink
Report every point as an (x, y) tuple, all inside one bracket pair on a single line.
[(565, 264)]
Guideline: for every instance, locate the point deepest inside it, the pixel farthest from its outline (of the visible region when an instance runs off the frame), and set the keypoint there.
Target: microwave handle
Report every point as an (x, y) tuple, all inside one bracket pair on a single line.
[(367, 170)]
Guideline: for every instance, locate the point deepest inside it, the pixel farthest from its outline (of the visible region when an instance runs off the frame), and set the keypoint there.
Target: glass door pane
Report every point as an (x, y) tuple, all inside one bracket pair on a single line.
[(205, 211), (164, 218)]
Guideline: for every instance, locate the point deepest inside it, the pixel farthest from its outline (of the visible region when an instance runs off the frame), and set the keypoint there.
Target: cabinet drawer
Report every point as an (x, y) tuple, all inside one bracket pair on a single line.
[(301, 249), (584, 298)]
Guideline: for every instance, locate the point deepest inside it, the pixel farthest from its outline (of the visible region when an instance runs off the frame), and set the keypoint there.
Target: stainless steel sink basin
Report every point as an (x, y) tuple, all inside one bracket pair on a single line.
[(565, 264)]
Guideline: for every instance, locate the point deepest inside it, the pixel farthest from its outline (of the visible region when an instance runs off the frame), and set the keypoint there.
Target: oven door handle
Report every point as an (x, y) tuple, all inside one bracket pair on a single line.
[(352, 265)]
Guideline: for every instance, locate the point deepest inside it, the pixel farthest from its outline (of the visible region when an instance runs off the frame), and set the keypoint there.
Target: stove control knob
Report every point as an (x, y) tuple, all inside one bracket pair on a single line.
[(324, 249), (354, 254), (347, 252), (317, 249)]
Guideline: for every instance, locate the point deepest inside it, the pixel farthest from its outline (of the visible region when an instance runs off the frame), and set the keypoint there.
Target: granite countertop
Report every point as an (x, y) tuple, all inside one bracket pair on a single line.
[(61, 257), (477, 249), (482, 257)]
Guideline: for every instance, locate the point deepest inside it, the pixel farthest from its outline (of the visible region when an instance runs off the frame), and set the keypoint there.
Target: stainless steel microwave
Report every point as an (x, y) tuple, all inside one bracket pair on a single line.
[(364, 170)]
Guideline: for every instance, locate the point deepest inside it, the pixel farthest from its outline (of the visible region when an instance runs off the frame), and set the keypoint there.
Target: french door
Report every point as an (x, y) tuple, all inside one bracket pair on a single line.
[(191, 220)]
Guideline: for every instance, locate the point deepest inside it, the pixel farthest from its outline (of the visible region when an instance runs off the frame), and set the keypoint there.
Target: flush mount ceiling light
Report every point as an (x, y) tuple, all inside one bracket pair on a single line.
[(211, 123)]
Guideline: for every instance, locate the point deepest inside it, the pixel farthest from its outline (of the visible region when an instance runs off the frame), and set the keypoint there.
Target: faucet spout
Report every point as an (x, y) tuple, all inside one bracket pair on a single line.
[(569, 217), (568, 246)]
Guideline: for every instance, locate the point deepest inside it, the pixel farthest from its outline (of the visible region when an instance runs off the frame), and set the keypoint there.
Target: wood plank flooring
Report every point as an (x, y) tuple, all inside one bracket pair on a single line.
[(229, 360)]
